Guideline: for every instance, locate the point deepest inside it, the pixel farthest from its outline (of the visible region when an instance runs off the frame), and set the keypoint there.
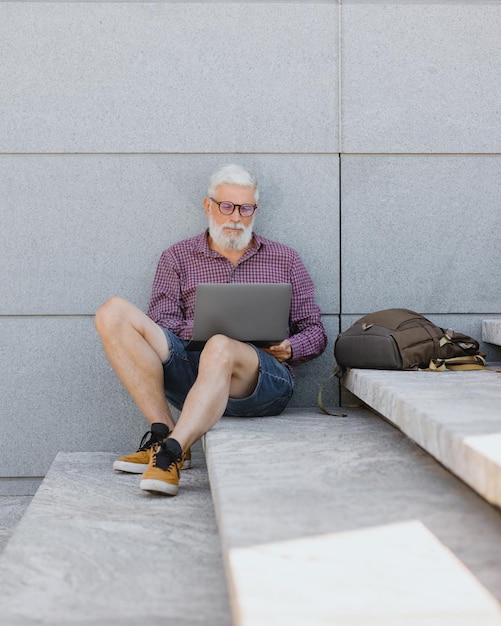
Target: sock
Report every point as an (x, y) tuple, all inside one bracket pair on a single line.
[(168, 453), (172, 446), (159, 431)]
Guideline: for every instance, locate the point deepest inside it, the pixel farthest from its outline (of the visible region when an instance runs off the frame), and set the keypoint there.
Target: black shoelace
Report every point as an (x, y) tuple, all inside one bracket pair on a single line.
[(147, 441)]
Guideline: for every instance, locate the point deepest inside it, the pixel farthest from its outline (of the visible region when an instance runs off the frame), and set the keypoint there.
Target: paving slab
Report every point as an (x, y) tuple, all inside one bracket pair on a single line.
[(345, 521), (92, 548), (491, 331), (455, 416)]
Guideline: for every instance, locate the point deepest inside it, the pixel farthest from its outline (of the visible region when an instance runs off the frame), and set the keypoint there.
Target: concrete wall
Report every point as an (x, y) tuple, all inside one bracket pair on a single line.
[(375, 130)]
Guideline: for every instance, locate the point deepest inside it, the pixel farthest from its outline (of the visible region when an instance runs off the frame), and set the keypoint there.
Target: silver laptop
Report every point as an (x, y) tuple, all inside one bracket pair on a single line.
[(254, 312)]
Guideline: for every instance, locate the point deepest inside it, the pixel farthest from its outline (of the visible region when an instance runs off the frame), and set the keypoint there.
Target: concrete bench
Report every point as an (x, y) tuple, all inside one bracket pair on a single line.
[(345, 521), (491, 331), (455, 416)]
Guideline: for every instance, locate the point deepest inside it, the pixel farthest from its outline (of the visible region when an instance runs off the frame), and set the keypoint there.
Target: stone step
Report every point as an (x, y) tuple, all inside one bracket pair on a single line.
[(345, 521), (455, 416), (491, 331), (92, 548)]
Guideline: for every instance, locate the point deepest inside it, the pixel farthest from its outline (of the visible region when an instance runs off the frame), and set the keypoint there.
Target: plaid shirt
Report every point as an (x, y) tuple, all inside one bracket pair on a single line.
[(192, 261)]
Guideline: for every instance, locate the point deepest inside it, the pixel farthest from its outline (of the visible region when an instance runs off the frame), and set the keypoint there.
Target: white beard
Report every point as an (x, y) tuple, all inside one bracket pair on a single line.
[(233, 242)]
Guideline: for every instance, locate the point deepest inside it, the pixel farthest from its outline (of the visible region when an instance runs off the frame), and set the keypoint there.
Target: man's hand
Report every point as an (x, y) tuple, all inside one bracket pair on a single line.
[(281, 351)]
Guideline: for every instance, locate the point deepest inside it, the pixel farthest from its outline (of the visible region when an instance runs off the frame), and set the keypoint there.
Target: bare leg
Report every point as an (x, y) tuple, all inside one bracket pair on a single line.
[(136, 347), (227, 368)]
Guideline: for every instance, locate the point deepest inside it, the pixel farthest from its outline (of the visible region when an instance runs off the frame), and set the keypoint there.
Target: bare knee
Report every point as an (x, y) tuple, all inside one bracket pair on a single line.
[(109, 314), (224, 359), (218, 352)]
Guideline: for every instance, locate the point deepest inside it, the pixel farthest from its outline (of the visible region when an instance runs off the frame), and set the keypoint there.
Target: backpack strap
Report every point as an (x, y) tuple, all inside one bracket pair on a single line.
[(447, 337), (458, 363), (338, 372)]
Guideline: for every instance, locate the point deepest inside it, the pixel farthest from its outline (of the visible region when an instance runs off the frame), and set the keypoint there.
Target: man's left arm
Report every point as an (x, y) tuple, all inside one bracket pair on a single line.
[(308, 338), (281, 351)]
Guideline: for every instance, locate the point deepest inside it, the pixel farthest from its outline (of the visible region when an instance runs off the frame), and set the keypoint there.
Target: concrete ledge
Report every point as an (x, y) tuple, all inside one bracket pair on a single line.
[(93, 548), (345, 521), (491, 331), (455, 416)]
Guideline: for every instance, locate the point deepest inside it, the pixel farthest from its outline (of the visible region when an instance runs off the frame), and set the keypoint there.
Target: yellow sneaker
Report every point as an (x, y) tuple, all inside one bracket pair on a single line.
[(162, 475), (137, 462), (187, 459)]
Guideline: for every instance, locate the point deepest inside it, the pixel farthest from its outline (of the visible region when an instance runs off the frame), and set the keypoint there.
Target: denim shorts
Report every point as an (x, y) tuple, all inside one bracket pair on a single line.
[(273, 391)]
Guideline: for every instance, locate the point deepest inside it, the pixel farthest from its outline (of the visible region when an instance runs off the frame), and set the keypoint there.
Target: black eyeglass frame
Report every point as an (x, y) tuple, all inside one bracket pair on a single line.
[(235, 206)]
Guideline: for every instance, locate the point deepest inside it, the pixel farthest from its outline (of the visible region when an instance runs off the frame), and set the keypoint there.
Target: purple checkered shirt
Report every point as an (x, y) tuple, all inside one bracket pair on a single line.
[(192, 261)]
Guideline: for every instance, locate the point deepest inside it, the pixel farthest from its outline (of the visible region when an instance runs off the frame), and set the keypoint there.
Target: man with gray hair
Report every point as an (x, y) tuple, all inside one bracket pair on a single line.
[(227, 377)]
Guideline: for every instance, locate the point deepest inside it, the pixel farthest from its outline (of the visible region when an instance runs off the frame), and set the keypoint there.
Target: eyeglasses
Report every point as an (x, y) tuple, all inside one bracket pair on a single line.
[(227, 208)]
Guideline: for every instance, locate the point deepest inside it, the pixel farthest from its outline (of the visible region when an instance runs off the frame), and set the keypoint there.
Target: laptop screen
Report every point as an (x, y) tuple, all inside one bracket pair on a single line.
[(257, 313)]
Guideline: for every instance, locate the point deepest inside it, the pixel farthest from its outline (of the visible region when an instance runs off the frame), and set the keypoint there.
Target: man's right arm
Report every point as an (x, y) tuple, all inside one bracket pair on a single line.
[(166, 306)]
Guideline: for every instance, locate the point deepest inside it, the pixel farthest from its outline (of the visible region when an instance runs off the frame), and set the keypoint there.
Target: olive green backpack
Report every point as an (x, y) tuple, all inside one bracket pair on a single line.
[(400, 339)]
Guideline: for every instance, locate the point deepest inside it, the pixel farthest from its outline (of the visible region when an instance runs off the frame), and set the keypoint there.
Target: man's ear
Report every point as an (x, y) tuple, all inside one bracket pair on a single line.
[(207, 203)]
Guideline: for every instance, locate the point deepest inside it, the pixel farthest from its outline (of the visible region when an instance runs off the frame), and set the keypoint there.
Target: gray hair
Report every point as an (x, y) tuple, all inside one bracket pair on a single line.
[(233, 175)]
